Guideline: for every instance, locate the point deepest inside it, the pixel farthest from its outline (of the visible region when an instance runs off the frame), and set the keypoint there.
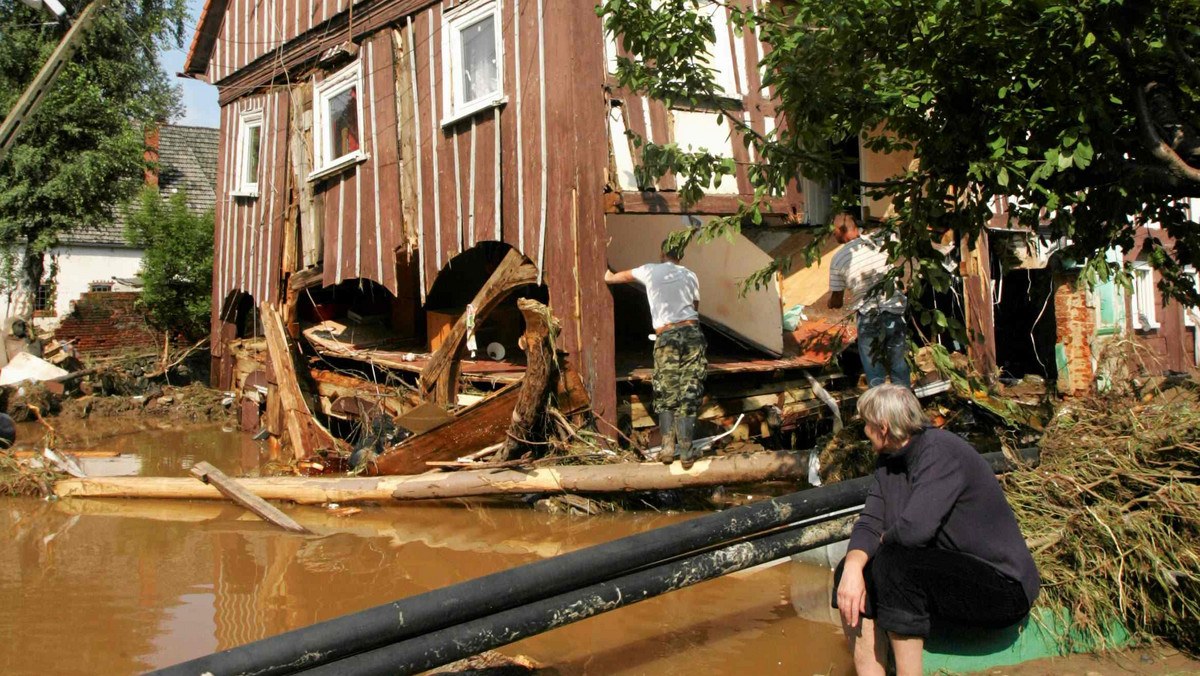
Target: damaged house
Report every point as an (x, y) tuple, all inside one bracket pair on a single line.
[(395, 175)]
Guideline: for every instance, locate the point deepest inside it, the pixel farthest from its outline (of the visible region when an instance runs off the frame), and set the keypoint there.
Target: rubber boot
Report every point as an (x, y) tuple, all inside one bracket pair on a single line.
[(684, 427), (666, 425)]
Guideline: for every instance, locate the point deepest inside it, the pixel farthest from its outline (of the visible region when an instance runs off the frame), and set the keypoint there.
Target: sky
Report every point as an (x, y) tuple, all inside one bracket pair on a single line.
[(199, 98)]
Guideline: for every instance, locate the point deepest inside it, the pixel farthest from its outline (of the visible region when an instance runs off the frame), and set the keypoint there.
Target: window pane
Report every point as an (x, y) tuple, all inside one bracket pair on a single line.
[(250, 174), (479, 71), (343, 121)]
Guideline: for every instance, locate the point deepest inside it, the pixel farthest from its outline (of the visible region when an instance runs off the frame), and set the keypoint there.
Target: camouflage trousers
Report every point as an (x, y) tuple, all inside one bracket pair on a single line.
[(679, 369)]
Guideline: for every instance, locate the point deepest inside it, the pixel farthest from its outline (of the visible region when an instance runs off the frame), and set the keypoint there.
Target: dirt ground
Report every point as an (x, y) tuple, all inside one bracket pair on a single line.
[(1164, 662)]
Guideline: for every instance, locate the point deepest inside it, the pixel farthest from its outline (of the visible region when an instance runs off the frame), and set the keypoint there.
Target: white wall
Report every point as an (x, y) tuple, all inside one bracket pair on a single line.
[(78, 267)]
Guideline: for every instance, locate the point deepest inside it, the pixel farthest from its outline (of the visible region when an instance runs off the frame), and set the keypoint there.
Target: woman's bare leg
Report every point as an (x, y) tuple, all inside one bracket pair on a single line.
[(909, 651), (869, 646)]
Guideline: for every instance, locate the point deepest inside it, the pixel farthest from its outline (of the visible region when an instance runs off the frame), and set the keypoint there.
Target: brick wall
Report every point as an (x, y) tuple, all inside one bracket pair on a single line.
[(107, 322), (1075, 319)]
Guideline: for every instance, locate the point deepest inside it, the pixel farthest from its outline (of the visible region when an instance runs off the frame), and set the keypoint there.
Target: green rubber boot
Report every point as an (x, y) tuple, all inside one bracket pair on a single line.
[(684, 427), (666, 425)]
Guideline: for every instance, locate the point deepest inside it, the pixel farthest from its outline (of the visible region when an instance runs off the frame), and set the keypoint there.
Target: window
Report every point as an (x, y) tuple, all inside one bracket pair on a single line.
[(471, 38), (100, 287), (43, 299), (249, 137), (1144, 318), (337, 121)]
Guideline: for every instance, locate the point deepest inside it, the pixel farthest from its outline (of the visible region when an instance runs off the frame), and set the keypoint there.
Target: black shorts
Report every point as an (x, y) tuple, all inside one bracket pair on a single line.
[(907, 587)]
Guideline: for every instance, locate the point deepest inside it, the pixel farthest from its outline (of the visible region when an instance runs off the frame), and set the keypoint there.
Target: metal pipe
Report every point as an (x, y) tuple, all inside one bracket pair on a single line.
[(453, 643)]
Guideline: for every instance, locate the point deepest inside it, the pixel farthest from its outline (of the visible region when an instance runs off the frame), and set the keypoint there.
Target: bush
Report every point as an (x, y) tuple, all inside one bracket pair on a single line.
[(177, 267)]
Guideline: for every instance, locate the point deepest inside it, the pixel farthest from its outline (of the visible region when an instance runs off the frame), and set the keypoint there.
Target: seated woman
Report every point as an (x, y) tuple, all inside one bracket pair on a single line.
[(935, 539)]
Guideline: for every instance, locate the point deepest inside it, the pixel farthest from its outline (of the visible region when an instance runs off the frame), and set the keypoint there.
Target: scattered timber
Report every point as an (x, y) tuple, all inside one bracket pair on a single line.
[(232, 490), (538, 342), (472, 429), (749, 468), (306, 435)]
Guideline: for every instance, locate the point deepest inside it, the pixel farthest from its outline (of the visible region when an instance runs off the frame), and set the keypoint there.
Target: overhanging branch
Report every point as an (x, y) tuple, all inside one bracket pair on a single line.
[(1154, 142)]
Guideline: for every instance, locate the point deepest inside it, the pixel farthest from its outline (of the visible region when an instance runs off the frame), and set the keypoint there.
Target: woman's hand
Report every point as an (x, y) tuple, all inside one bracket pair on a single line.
[(852, 590)]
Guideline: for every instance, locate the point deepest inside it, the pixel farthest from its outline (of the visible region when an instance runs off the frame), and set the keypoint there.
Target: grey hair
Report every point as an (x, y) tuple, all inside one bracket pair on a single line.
[(895, 407)]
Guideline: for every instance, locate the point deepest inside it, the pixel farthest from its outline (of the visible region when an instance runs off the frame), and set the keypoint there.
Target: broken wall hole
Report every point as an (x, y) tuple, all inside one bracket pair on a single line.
[(359, 314), (1024, 307), (239, 316), (497, 330)]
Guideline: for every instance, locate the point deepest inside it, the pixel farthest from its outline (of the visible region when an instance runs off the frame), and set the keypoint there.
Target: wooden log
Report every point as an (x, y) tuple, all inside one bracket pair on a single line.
[(713, 471), (750, 468), (541, 330), (302, 490), (473, 428), (230, 489), (439, 379)]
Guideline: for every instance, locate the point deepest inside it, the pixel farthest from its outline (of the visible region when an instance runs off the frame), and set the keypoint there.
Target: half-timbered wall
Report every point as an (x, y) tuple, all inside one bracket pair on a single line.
[(248, 231), (529, 172), (736, 61)]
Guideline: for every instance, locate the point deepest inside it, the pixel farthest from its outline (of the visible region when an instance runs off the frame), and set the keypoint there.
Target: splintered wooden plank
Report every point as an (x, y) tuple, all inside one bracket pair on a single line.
[(480, 425), (230, 489)]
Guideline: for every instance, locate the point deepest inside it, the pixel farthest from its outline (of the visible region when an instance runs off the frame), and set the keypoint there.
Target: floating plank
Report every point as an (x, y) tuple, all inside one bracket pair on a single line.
[(230, 489)]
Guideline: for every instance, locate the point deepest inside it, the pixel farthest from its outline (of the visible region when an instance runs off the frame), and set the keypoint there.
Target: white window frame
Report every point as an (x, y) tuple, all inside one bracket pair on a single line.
[(341, 81), (454, 21), (247, 121), (1142, 304)]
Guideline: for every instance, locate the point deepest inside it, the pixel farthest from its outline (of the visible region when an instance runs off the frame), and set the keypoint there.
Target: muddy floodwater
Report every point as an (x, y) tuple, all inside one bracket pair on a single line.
[(124, 586)]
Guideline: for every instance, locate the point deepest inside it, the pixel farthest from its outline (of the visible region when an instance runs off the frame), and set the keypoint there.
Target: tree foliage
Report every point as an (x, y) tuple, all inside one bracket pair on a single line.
[(1080, 115), (82, 154), (177, 267)]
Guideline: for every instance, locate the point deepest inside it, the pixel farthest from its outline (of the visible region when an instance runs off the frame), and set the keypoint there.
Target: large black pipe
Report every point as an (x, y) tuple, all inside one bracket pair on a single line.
[(336, 639), (431, 650)]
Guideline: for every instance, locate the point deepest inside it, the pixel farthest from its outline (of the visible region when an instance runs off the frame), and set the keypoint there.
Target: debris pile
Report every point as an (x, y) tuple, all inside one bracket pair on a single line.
[(1112, 514)]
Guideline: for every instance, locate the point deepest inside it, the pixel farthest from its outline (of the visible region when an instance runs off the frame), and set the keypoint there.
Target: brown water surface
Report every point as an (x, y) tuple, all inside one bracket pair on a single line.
[(123, 586)]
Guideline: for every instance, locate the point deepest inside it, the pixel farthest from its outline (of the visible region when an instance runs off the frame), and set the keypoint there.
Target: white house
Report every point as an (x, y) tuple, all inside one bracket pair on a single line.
[(99, 259)]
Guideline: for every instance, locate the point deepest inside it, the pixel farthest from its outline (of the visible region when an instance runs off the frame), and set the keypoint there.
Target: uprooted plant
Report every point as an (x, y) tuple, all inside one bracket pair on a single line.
[(1113, 517)]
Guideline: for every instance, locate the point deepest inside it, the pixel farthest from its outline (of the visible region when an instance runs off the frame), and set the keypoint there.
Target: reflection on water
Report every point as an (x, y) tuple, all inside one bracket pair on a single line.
[(123, 586)]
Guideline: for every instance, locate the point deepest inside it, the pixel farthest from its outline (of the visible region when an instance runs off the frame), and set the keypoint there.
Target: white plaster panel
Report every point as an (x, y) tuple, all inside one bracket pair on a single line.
[(696, 131)]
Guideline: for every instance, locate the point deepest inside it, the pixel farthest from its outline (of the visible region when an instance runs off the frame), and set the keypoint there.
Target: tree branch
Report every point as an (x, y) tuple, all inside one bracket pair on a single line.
[(1155, 144)]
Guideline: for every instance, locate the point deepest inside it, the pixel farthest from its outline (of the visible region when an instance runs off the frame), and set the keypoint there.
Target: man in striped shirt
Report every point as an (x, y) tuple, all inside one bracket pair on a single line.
[(859, 266)]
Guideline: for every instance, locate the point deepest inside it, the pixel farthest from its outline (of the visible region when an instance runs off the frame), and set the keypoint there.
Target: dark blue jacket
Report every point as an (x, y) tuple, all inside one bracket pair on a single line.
[(938, 491)]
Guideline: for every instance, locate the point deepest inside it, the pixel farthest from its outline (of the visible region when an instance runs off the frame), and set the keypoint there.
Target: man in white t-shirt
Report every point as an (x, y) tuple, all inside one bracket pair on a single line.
[(882, 330), (680, 364)]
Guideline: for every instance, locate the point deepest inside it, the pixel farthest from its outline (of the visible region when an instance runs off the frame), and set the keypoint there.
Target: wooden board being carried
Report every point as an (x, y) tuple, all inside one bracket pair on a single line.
[(477, 426), (721, 265)]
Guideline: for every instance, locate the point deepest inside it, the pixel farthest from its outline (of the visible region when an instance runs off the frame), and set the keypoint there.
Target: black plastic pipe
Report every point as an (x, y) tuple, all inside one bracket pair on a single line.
[(421, 653), (305, 648)]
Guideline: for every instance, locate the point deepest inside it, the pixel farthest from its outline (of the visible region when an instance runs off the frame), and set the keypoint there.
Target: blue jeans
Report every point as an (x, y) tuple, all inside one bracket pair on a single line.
[(884, 334)]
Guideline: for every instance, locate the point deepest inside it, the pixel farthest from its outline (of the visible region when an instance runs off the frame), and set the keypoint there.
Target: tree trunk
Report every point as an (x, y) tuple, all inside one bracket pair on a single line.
[(711, 471), (28, 281), (538, 342), (655, 476)]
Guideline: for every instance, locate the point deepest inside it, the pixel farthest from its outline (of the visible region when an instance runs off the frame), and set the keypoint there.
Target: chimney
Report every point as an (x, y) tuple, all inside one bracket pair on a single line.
[(152, 154)]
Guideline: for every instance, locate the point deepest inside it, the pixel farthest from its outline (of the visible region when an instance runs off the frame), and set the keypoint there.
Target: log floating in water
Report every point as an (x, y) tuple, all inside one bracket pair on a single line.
[(749, 468)]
